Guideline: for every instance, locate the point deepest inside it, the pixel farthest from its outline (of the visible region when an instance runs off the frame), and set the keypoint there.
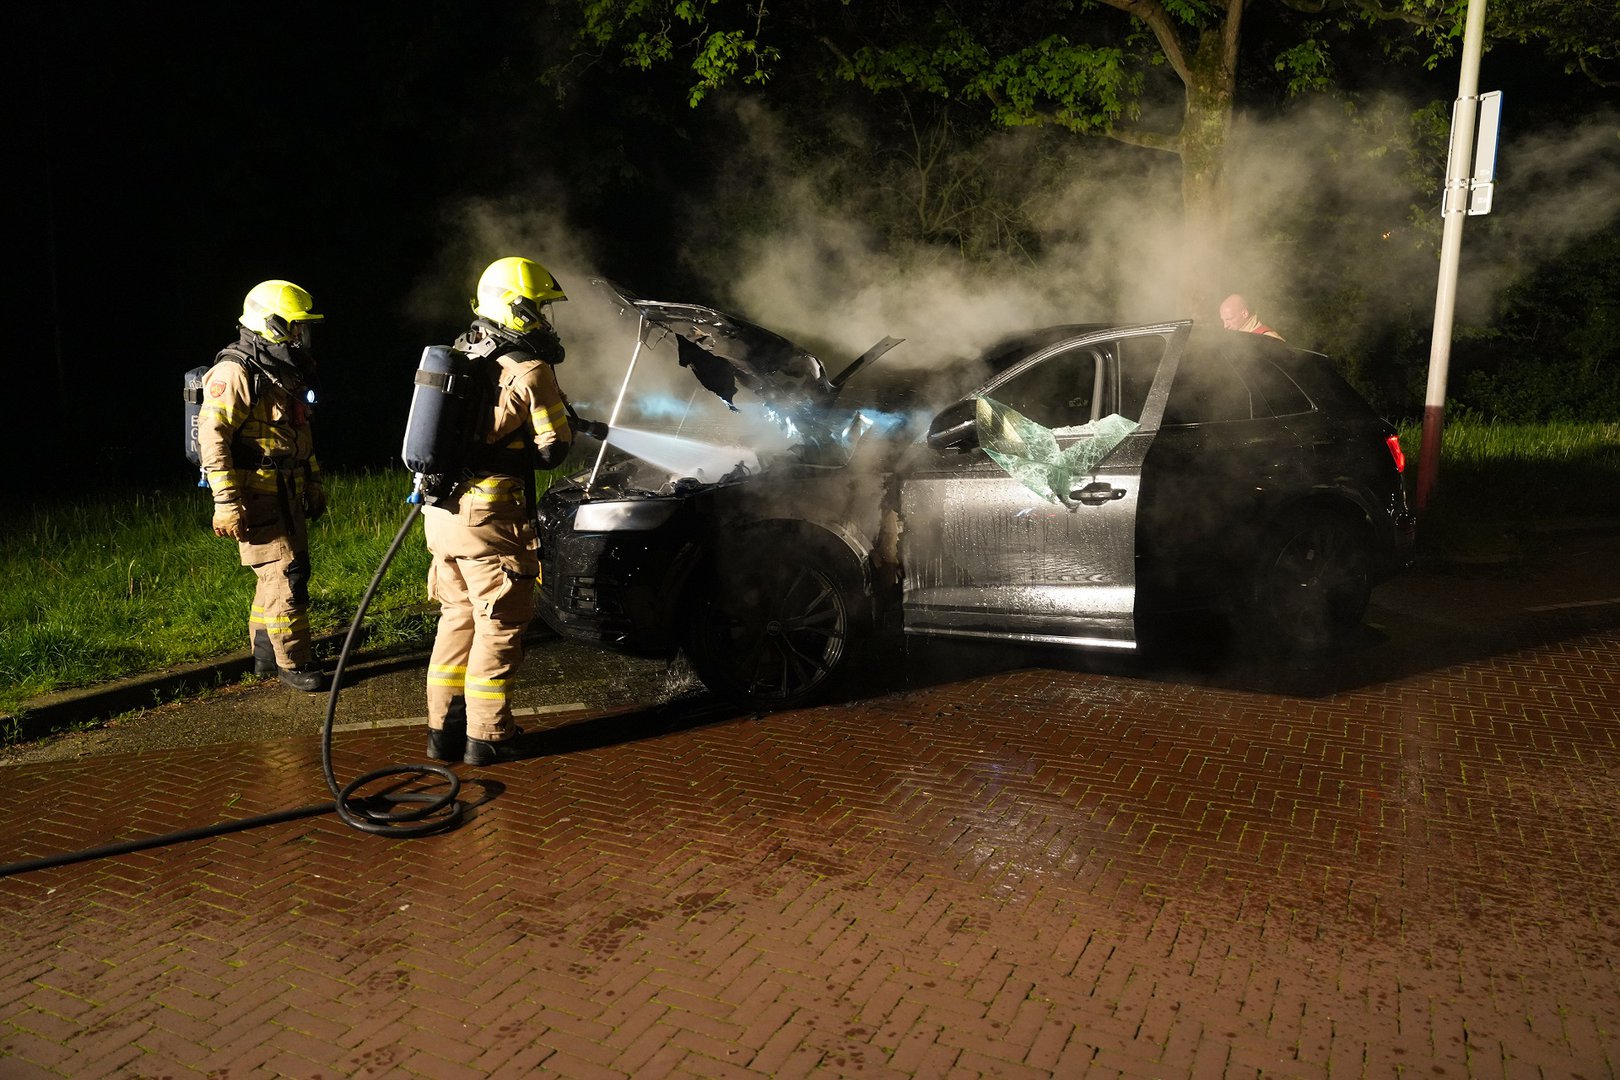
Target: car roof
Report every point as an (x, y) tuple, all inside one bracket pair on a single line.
[(1015, 347)]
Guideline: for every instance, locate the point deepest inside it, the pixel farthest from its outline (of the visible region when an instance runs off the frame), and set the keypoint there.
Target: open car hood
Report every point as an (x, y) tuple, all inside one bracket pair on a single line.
[(725, 353)]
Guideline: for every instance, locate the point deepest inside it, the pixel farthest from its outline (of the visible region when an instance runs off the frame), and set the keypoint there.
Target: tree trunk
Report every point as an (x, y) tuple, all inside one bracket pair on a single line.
[(1206, 125)]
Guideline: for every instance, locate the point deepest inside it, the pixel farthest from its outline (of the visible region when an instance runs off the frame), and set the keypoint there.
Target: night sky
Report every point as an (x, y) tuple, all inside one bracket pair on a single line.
[(172, 157)]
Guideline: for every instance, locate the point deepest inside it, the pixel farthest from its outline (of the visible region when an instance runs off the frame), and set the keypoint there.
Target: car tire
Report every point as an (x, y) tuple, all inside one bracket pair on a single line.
[(1313, 581), (773, 628)]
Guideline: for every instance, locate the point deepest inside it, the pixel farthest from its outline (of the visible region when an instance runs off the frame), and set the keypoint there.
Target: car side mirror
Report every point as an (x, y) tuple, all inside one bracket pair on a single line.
[(956, 428)]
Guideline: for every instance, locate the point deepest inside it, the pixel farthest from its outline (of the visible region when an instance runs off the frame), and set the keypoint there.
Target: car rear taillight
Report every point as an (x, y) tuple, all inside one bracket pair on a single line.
[(1395, 451)]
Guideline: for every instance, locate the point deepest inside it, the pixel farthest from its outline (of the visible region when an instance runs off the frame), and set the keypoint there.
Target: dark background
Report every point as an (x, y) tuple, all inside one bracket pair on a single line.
[(165, 160), (169, 159)]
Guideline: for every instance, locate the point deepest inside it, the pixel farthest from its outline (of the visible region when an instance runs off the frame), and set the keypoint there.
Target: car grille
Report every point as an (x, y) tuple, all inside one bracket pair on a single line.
[(593, 596)]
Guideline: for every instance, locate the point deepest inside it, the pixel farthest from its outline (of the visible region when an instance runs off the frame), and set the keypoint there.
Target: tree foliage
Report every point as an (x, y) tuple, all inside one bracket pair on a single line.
[(1083, 65), (1553, 353)]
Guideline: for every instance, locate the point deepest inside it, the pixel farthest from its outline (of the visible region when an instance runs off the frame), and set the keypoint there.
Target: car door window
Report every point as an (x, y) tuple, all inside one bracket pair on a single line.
[(1209, 390), (1281, 395), (1086, 383), (1139, 360), (1062, 391), (1059, 418)]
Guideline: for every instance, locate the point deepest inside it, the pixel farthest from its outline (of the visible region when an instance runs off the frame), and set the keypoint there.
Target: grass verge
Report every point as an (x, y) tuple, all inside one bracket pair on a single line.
[(1499, 482), (123, 584)]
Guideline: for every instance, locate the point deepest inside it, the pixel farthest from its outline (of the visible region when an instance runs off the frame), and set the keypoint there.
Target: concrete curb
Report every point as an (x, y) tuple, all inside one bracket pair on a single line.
[(89, 704)]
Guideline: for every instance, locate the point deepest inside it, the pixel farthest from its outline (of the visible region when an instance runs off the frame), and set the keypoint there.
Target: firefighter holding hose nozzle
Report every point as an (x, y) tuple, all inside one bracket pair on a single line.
[(480, 531), (258, 456)]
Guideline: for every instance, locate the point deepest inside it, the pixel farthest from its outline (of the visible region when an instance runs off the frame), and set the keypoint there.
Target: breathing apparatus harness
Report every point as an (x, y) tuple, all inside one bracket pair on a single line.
[(288, 368), (447, 435)]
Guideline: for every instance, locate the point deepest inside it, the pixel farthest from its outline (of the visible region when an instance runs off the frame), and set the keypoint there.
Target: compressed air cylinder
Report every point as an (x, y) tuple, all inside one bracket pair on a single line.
[(193, 399), (441, 426)]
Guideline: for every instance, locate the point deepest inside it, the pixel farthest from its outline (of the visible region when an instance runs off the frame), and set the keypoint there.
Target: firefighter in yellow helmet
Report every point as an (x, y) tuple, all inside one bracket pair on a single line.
[(485, 553), (259, 457)]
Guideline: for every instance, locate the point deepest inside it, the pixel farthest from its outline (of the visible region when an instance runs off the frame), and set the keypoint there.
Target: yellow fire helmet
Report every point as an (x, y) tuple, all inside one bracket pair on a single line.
[(271, 307), (511, 291)]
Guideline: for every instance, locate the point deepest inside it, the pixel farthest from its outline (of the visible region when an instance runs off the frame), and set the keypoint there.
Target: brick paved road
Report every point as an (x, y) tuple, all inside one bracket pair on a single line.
[(1029, 873)]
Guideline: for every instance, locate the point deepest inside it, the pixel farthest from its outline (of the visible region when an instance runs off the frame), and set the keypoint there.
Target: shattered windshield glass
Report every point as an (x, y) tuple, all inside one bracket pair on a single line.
[(1032, 455)]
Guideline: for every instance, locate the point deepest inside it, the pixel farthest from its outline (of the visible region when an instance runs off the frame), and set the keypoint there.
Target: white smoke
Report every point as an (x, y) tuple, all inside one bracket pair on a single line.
[(1319, 207), (1339, 180), (819, 273), (1555, 187)]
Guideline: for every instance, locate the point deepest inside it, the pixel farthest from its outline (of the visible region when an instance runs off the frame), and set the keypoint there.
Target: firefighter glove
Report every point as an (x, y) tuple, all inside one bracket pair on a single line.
[(314, 500), (594, 428), (228, 521)]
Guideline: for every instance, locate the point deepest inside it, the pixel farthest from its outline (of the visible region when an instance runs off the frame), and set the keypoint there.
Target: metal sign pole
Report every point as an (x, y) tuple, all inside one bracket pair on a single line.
[(1454, 209)]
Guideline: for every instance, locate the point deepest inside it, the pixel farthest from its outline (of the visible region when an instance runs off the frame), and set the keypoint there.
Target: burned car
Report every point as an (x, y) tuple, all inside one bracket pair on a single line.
[(1091, 480)]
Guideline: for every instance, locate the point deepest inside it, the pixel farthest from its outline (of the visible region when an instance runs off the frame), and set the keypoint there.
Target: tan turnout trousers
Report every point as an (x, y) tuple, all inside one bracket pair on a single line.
[(486, 602), (278, 551)]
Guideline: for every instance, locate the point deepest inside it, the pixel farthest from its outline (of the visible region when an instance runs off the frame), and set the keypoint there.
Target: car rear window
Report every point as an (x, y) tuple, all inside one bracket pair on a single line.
[(1224, 379), (1282, 396)]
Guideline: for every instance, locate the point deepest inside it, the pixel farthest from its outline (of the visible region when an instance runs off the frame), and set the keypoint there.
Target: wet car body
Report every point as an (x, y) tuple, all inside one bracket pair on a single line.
[(1243, 477)]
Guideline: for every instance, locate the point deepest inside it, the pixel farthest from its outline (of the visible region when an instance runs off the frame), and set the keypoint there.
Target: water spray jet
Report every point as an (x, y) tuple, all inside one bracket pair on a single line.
[(681, 456)]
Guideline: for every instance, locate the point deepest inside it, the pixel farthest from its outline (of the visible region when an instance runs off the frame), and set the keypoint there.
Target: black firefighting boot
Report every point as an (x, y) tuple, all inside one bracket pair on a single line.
[(448, 743), (264, 655), (305, 677), (514, 747)]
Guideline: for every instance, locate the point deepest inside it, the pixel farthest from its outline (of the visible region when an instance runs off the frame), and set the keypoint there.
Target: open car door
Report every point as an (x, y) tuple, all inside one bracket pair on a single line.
[(1020, 515)]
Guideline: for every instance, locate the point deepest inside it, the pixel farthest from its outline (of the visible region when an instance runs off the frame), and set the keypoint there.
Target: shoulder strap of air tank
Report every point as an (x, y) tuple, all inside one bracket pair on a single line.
[(232, 353), (517, 355)]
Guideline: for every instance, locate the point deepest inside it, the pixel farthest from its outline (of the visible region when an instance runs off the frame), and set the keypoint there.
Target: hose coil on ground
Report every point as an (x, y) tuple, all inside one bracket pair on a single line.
[(382, 813)]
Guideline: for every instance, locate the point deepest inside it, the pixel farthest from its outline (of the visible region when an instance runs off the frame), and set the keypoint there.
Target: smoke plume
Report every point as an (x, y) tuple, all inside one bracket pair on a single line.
[(1321, 238)]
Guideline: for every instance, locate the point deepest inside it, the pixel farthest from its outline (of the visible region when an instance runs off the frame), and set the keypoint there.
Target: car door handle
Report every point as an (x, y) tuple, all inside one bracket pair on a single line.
[(1095, 494)]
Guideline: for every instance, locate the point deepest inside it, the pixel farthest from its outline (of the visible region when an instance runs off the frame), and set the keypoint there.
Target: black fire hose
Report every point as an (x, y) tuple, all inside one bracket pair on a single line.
[(386, 819), (380, 813)]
